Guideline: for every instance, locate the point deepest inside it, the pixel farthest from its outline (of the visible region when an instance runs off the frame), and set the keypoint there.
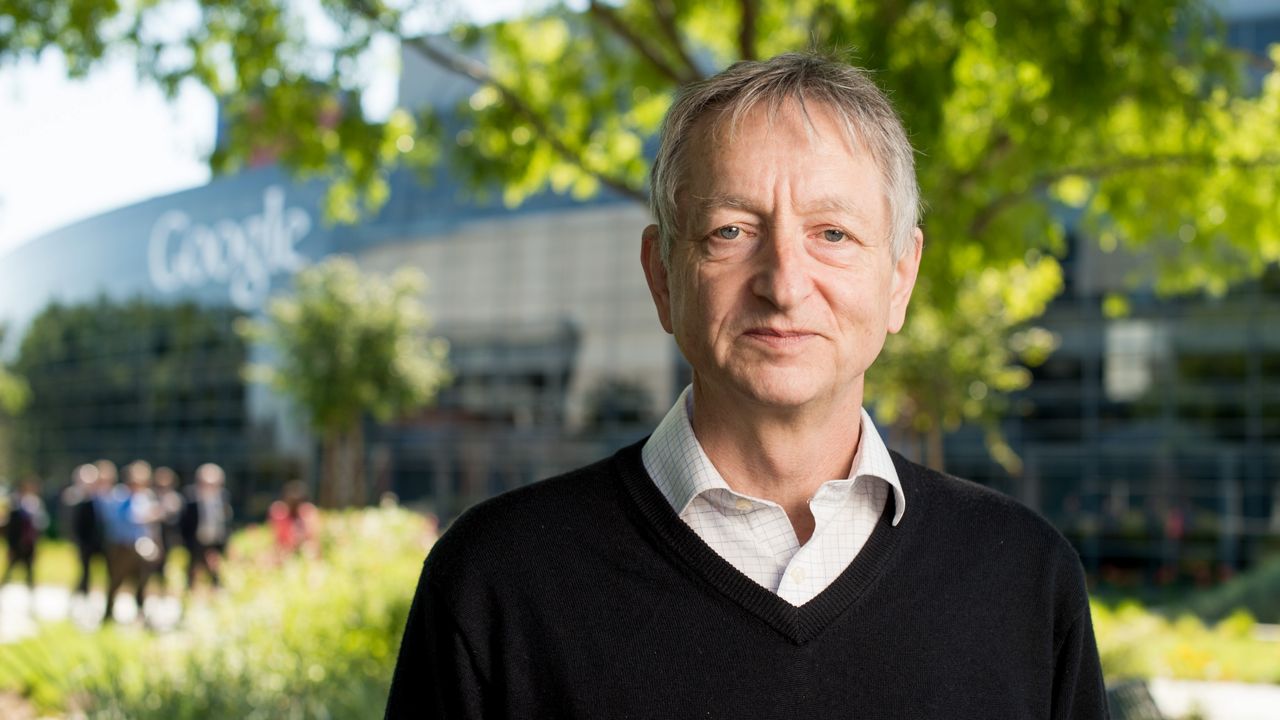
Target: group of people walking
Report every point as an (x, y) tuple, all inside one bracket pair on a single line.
[(133, 518)]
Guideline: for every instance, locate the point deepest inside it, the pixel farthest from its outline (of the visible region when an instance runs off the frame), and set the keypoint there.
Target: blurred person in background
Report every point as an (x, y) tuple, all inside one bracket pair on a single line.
[(132, 548), (206, 524), (27, 519), (167, 529), (294, 520), (80, 507)]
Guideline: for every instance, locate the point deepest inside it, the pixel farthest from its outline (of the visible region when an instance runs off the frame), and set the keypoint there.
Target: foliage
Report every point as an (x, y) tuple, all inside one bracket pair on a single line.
[(1257, 591), (105, 373), (298, 639), (1110, 109), (15, 393), (350, 344), (1134, 642)]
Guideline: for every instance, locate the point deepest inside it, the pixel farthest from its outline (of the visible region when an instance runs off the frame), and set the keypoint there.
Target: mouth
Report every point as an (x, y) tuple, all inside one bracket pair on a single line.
[(778, 338)]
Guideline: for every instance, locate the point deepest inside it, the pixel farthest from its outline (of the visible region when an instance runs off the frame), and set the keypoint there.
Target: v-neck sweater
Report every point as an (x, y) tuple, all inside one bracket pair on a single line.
[(586, 596)]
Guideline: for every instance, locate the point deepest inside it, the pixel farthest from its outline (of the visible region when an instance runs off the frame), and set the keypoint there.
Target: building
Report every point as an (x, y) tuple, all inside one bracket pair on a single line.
[(1152, 440)]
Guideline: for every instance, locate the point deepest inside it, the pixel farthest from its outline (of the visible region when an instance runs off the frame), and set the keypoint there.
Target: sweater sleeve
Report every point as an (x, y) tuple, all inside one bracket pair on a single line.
[(1079, 692), (435, 675)]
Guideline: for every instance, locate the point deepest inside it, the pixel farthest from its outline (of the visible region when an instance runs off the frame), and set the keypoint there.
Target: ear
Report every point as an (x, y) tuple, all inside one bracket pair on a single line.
[(903, 281), (655, 273)]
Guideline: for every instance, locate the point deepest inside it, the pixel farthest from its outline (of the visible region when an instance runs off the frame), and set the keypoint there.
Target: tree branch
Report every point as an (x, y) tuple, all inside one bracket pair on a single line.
[(747, 31), (478, 72), (667, 21), (610, 20), (988, 213)]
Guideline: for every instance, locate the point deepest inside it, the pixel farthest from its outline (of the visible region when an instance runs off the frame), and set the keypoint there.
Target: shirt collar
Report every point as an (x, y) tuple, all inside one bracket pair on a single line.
[(681, 470)]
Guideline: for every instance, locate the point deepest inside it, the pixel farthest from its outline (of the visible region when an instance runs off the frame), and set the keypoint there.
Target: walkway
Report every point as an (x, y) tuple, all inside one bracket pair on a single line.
[(21, 611)]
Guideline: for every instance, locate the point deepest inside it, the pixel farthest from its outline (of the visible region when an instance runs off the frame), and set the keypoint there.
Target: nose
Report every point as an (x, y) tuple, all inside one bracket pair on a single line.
[(782, 269)]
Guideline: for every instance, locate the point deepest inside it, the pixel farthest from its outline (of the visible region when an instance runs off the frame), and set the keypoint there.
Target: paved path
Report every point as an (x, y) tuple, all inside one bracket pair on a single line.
[(22, 611)]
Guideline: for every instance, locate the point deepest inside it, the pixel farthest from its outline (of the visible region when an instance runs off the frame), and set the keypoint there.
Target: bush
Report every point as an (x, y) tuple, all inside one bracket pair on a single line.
[(1134, 642), (1257, 590), (302, 638)]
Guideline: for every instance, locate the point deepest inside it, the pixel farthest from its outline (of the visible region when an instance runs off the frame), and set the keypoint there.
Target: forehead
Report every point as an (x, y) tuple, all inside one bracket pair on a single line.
[(807, 147)]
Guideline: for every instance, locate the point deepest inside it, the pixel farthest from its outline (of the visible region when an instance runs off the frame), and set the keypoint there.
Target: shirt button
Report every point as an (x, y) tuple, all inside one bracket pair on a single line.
[(743, 504)]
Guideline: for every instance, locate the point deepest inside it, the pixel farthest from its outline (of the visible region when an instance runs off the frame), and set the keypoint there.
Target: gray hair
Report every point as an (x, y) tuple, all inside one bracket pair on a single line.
[(869, 122)]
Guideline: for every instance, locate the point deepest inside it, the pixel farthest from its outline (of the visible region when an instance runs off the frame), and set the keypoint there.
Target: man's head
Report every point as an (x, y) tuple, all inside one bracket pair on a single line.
[(722, 101), (138, 475), (106, 474), (85, 476), (210, 475), (786, 247), (164, 478), (29, 486)]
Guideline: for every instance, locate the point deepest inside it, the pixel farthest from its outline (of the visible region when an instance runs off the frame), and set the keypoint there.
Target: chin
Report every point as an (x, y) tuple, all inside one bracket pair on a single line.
[(785, 391)]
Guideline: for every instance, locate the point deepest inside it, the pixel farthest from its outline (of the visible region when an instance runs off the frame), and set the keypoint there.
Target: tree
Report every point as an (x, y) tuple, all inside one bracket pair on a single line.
[(129, 379), (348, 344), (15, 393), (1113, 108)]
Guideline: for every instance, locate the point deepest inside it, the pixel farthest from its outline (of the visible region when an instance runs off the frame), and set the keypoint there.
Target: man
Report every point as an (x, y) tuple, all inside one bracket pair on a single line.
[(132, 547), (81, 500), (166, 530), (206, 523), (27, 520), (762, 554)]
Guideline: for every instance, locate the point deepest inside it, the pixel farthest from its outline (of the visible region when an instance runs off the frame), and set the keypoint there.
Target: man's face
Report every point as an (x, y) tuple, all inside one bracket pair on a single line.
[(782, 285)]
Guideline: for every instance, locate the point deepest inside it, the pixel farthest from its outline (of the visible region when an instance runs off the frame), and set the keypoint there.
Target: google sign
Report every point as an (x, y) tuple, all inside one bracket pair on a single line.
[(243, 255)]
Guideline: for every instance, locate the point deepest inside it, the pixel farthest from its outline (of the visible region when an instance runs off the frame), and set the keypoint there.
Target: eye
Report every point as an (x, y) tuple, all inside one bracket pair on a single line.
[(728, 232), (833, 235)]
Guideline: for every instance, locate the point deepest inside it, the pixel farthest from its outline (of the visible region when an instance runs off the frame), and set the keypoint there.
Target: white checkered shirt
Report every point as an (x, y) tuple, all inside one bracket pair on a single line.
[(754, 534)]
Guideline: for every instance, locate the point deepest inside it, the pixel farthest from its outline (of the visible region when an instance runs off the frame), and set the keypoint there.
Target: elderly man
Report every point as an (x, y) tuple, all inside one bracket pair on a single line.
[(762, 554)]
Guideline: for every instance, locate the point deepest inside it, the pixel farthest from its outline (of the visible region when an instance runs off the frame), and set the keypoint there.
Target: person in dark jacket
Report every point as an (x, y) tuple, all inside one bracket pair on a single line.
[(82, 500), (206, 524), (27, 520)]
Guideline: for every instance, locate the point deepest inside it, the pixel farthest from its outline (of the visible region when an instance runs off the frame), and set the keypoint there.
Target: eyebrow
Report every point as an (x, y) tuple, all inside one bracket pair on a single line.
[(830, 203)]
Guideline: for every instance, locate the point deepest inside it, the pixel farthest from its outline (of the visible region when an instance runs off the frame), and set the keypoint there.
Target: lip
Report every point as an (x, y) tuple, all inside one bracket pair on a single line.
[(777, 337)]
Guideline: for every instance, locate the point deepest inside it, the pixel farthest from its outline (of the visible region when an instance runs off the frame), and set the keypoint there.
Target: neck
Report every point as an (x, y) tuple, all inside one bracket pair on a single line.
[(783, 455)]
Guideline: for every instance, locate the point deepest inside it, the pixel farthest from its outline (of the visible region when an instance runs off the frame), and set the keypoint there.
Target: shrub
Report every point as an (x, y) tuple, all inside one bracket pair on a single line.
[(1134, 642), (298, 638)]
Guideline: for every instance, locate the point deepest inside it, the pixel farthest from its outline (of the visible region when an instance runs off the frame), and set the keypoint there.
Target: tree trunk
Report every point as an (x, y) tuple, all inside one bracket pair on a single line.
[(935, 456), (342, 480), (329, 469), (355, 466)]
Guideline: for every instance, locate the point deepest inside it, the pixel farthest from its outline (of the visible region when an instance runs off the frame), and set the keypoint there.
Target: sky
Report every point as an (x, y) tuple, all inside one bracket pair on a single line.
[(71, 149)]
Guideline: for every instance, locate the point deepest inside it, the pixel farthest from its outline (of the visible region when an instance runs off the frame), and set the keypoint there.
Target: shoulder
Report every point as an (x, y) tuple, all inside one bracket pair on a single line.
[(956, 501), (521, 534), (561, 506), (965, 522)]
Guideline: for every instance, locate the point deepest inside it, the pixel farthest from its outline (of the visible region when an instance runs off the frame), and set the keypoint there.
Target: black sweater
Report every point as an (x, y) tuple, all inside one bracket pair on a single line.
[(585, 596)]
